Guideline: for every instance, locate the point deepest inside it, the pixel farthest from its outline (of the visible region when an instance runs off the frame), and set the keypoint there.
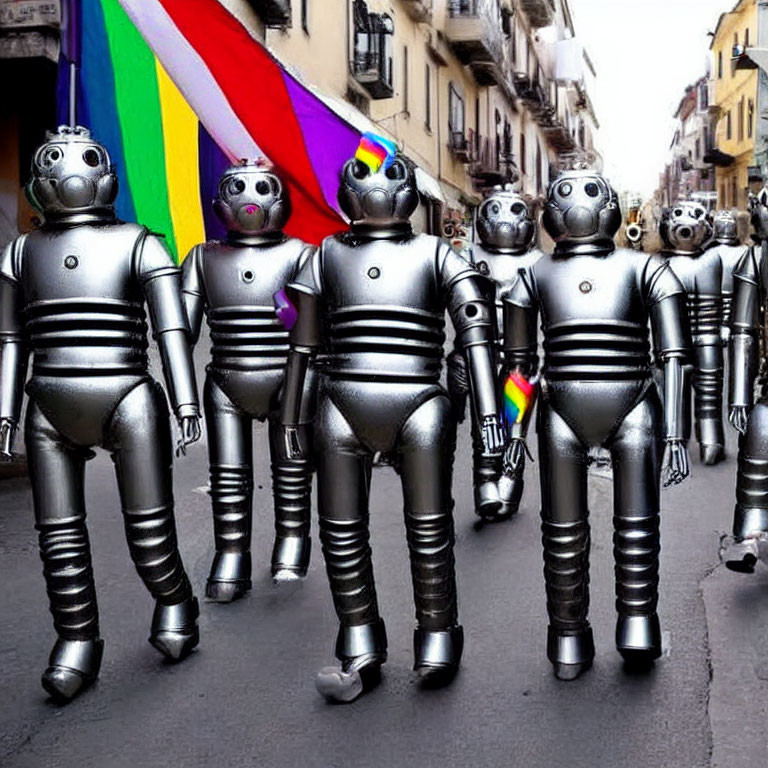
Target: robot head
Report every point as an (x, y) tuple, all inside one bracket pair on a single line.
[(504, 221), (582, 213), (72, 174), (759, 214), (725, 228), (685, 228), (252, 199), (378, 200)]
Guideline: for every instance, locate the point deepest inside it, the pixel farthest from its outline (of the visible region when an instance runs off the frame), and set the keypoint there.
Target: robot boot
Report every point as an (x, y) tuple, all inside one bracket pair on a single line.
[(511, 486), (571, 652), (437, 655), (638, 640), (230, 577), (174, 628), (290, 558), (72, 667), (361, 649)]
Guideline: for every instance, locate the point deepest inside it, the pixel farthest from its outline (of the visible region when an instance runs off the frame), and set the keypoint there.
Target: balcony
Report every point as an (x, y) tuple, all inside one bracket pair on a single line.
[(372, 62), (372, 73), (539, 12), (419, 10), (459, 146), (489, 165), (534, 97), (473, 30), (274, 13), (559, 137)]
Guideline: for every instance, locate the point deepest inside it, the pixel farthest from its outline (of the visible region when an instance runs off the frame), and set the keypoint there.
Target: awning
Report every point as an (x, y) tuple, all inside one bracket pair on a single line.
[(29, 29), (429, 186)]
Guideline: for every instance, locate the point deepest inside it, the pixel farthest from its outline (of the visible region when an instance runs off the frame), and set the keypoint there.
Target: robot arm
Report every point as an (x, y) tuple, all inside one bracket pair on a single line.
[(744, 346), (13, 350), (299, 308), (193, 292), (161, 282), (672, 345), (474, 320)]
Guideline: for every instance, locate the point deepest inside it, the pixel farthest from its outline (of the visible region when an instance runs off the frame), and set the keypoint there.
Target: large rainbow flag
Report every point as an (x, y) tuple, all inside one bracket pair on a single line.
[(178, 89)]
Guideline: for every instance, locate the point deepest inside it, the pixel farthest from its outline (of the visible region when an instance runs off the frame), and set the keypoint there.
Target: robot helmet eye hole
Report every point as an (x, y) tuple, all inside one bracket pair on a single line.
[(50, 157), (263, 187), (396, 171), (592, 189), (565, 189), (494, 208), (699, 212), (517, 209), (235, 186), (92, 157), (678, 212), (275, 185), (360, 170)]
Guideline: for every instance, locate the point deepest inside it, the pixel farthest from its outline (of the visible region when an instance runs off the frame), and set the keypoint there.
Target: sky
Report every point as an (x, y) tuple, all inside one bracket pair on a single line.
[(645, 53)]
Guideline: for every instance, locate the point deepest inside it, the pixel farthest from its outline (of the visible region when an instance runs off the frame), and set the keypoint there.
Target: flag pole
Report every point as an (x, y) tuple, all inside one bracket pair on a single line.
[(72, 54)]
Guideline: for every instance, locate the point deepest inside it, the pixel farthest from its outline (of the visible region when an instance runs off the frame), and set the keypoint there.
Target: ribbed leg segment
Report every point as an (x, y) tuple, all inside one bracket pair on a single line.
[(566, 573), (231, 499), (751, 513), (708, 387), (636, 552), (66, 555), (291, 484)]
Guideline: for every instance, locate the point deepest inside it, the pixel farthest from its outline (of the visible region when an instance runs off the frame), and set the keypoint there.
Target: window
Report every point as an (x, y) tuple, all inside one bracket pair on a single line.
[(507, 140), (728, 126), (746, 37), (703, 96), (750, 118), (539, 178), (720, 65), (733, 61), (523, 163), (373, 47), (428, 97), (405, 79), (497, 138), (741, 119), (305, 15), (513, 40), (698, 148), (477, 125), (455, 110)]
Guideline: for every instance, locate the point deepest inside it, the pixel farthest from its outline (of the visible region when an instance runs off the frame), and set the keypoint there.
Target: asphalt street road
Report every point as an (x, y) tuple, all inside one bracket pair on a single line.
[(247, 698)]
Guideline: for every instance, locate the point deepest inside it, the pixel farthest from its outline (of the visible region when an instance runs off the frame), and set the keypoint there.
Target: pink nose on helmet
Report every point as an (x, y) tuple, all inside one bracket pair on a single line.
[(251, 216)]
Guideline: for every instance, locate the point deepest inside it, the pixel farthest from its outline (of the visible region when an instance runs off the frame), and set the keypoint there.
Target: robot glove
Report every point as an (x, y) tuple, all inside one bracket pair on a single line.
[(514, 455), (189, 428), (7, 433), (676, 462), (738, 415)]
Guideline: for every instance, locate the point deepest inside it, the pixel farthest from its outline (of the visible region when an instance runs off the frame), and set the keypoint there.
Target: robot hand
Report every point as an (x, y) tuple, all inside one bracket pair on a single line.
[(294, 446), (7, 433), (514, 455), (189, 428), (738, 417), (493, 436), (676, 462)]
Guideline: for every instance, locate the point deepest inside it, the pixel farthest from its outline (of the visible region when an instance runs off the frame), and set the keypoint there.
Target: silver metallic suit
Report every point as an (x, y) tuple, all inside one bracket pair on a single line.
[(684, 229), (595, 303), (372, 301), (750, 280), (73, 294), (730, 250), (233, 283), (506, 231)]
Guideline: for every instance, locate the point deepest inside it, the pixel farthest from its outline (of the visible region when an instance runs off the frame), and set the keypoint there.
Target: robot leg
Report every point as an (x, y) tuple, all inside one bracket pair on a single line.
[(708, 385), (230, 454), (425, 453), (292, 489), (139, 438), (57, 472), (637, 457), (343, 482), (750, 517), (565, 536)]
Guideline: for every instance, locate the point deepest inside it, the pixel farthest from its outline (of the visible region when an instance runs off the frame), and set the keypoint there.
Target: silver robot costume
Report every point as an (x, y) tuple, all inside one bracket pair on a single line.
[(730, 250), (750, 279), (372, 301), (596, 390), (73, 293), (233, 283), (684, 230), (506, 231)]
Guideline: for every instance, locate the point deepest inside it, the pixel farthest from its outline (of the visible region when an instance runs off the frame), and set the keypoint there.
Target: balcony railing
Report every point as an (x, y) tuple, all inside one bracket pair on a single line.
[(539, 12), (473, 30), (372, 72), (419, 10), (460, 146), (489, 163), (274, 13), (372, 62)]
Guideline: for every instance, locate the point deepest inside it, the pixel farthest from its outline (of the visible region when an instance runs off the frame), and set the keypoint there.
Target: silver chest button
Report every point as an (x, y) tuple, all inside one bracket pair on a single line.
[(374, 273)]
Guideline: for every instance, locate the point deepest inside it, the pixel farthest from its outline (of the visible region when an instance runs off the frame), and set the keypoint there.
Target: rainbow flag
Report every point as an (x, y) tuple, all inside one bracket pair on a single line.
[(519, 397), (177, 90), (376, 152)]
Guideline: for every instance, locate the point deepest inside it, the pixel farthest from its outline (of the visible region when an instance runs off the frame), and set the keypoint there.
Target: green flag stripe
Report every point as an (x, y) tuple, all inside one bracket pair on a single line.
[(138, 107)]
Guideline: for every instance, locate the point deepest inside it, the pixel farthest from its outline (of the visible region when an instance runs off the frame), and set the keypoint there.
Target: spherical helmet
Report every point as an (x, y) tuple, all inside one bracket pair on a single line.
[(72, 174), (504, 222), (252, 199), (725, 228), (685, 228), (759, 214), (378, 200), (582, 213)]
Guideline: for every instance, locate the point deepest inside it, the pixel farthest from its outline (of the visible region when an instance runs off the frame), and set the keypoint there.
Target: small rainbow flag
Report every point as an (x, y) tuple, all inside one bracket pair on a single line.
[(519, 397), (376, 152)]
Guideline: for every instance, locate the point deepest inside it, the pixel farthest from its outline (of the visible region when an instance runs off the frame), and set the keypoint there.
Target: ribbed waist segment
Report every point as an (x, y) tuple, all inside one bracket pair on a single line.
[(705, 314), (247, 338), (385, 343), (87, 337), (596, 350)]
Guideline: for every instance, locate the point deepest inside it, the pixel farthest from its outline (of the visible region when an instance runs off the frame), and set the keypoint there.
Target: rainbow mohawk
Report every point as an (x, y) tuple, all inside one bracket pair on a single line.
[(376, 152)]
